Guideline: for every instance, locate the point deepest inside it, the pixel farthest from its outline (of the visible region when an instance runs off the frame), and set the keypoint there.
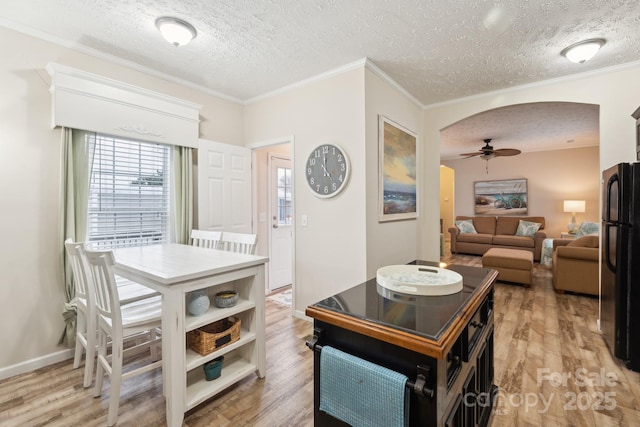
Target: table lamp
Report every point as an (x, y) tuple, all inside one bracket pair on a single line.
[(574, 206)]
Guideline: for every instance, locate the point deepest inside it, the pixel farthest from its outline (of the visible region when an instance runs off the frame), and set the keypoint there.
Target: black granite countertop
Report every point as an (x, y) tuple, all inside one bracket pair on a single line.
[(427, 316)]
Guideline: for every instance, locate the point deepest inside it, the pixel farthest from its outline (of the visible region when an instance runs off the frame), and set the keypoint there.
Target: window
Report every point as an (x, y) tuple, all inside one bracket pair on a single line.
[(284, 196), (128, 193)]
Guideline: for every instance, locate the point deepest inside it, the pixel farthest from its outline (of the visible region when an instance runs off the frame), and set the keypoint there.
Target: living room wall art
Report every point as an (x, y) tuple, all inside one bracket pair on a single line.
[(502, 197), (397, 171)]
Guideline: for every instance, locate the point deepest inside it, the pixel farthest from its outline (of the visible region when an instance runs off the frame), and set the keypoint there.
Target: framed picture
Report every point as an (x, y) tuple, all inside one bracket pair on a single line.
[(504, 197), (397, 171)]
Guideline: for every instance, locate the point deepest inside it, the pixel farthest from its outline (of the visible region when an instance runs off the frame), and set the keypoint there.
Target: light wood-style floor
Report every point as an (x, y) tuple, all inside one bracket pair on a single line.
[(550, 366)]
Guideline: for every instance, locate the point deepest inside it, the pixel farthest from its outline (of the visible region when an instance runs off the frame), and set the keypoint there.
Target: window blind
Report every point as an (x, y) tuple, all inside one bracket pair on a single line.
[(128, 193)]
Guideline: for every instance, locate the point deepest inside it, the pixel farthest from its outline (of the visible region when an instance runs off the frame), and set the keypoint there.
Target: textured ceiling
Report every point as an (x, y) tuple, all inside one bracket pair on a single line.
[(540, 126), (437, 50)]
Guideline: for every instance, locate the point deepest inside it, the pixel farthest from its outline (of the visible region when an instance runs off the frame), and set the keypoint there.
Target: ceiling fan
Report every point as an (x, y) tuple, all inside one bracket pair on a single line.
[(487, 152)]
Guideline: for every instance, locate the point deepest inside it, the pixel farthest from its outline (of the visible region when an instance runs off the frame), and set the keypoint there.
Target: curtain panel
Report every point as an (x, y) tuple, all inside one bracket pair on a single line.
[(75, 172), (182, 200)]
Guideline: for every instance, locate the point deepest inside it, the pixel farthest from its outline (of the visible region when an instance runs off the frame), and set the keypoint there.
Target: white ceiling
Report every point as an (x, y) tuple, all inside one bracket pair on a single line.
[(436, 50), (541, 126)]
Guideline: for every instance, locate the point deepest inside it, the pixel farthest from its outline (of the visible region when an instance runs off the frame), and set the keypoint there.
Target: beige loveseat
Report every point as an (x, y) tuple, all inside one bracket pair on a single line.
[(576, 265), (496, 232)]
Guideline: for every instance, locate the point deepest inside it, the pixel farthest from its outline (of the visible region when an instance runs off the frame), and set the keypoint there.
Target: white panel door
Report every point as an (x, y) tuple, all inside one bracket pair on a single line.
[(281, 211), (224, 187)]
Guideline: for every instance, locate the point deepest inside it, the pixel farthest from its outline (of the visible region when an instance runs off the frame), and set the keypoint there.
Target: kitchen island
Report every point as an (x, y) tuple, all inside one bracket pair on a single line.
[(443, 344)]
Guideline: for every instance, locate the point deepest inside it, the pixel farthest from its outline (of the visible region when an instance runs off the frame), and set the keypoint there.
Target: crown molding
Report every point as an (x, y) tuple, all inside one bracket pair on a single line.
[(384, 76), (319, 77)]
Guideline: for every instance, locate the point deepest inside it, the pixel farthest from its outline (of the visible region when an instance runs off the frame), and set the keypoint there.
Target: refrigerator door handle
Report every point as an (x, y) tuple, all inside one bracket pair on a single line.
[(606, 247)]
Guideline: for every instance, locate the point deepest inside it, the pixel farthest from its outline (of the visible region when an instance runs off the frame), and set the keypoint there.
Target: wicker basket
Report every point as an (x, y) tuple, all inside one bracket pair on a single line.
[(214, 336)]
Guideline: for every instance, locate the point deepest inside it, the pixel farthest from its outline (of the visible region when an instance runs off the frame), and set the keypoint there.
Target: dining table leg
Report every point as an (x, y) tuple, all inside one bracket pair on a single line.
[(173, 354)]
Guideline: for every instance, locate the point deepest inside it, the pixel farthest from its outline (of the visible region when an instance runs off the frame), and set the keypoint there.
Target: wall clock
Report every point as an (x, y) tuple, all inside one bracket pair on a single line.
[(327, 170)]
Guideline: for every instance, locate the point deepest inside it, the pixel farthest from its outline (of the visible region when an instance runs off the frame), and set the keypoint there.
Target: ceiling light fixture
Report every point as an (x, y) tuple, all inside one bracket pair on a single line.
[(176, 31), (582, 51)]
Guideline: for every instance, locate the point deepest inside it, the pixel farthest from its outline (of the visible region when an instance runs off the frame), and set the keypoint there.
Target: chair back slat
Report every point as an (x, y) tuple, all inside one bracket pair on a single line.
[(82, 279), (107, 300), (205, 238), (238, 242)]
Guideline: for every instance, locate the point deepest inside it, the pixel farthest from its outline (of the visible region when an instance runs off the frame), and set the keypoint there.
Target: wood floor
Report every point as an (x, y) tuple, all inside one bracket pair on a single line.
[(551, 366)]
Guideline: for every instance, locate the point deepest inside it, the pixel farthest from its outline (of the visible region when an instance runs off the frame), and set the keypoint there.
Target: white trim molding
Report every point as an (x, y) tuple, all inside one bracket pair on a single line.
[(37, 363), (87, 101)]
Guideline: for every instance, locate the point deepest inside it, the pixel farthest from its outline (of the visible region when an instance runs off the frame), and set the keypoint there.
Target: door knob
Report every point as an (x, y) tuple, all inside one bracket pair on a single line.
[(275, 226)]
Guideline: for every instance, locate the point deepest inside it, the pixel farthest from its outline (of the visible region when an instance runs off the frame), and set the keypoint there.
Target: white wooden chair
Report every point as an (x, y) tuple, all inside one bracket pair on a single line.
[(129, 292), (116, 323), (205, 238), (238, 242), (86, 313)]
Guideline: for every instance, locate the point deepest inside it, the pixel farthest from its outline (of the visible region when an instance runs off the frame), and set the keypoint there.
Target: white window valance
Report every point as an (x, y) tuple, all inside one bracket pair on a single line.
[(83, 100)]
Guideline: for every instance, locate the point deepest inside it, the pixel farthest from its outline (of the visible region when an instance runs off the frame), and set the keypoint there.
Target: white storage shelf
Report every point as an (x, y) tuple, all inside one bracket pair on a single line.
[(234, 368), (240, 357), (178, 270), (194, 359), (214, 314)]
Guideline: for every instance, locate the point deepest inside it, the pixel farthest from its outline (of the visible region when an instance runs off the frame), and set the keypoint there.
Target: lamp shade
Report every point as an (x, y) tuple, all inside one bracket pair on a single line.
[(175, 31), (574, 206), (582, 51)]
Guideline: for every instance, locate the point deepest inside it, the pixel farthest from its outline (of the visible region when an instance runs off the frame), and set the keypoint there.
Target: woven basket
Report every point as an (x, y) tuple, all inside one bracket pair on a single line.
[(214, 336)]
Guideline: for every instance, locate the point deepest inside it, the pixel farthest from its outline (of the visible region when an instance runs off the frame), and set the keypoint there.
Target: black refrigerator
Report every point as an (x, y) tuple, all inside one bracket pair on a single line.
[(620, 270)]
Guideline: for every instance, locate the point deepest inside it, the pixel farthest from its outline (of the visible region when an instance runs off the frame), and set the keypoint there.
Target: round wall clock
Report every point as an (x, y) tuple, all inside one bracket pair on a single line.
[(327, 170)]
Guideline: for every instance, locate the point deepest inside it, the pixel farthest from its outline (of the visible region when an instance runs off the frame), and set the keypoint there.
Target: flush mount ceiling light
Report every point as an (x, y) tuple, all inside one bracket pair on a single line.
[(176, 31), (582, 51)]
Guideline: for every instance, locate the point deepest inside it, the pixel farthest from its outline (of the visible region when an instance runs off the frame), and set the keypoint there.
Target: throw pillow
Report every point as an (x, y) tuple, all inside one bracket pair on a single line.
[(587, 228), (589, 241), (527, 228), (466, 226)]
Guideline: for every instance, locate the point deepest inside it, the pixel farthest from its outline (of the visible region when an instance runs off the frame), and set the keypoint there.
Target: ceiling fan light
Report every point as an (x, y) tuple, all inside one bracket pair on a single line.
[(582, 51), (176, 31)]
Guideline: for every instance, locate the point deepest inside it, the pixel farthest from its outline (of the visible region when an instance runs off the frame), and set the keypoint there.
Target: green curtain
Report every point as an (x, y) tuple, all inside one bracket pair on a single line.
[(182, 191), (75, 172)]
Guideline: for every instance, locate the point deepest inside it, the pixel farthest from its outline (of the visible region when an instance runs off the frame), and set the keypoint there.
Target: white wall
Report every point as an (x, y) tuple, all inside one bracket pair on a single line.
[(31, 286), (552, 176), (447, 199), (392, 242), (616, 91), (331, 250)]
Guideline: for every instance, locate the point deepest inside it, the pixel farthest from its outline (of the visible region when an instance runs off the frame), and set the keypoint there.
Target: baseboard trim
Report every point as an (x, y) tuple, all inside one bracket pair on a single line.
[(300, 315), (33, 364)]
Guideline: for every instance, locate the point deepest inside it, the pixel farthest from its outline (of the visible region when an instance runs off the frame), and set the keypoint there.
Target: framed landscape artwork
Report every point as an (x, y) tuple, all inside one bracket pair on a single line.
[(397, 171), (504, 197)]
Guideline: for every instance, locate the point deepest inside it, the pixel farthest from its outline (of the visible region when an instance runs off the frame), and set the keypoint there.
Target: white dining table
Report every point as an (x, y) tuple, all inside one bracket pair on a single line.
[(175, 270)]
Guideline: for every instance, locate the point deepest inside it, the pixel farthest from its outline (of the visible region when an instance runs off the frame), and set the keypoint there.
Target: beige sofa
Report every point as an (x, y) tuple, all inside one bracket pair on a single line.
[(496, 232), (575, 265)]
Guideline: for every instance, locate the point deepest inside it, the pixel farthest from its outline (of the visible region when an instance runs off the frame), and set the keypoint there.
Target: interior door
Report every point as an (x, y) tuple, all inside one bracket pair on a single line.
[(280, 215), (224, 187)]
